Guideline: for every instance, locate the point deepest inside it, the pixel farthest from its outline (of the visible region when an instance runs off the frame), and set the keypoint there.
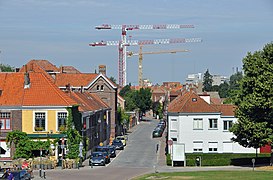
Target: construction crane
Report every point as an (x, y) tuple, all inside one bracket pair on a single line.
[(123, 43), (140, 59)]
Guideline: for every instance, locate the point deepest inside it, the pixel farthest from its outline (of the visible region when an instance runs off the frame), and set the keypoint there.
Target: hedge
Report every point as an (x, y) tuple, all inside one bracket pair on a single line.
[(226, 159)]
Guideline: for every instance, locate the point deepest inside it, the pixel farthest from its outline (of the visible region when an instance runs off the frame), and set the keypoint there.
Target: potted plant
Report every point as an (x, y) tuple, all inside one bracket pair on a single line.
[(62, 128), (39, 128)]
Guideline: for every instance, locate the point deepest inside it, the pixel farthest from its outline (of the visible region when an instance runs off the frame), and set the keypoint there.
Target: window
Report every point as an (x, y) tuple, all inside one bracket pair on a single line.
[(98, 87), (213, 146), (227, 125), (5, 120), (197, 146), (62, 116), (101, 88), (213, 123), (197, 123), (174, 139), (39, 121)]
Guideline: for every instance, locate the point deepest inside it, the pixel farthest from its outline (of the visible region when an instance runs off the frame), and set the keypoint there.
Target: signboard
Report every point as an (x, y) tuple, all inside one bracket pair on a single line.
[(178, 153), (170, 142)]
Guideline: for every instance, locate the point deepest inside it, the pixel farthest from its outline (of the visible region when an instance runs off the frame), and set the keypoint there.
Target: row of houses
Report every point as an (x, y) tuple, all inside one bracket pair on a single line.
[(37, 99)]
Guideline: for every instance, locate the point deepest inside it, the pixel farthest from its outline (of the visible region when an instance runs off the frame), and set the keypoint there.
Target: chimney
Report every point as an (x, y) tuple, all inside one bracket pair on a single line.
[(81, 89), (26, 78), (102, 69)]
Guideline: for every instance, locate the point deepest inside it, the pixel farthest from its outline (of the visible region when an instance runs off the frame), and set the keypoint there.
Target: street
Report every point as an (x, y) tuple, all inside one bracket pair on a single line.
[(138, 157)]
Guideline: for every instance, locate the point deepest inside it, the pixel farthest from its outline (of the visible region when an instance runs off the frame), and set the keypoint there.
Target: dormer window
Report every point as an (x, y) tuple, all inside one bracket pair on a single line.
[(194, 99), (101, 88), (98, 87)]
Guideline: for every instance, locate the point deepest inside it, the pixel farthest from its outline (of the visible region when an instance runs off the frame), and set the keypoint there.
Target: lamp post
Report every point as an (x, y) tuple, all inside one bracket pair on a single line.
[(80, 153)]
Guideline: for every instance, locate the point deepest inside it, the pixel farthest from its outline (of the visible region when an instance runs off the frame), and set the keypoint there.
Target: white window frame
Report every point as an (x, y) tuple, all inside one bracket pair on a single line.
[(57, 119), (229, 124), (213, 147), (198, 124), (197, 146), (212, 124), (46, 115)]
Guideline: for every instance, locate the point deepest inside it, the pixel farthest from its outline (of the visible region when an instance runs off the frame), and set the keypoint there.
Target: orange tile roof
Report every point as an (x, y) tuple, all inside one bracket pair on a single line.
[(43, 64), (88, 101), (11, 85), (75, 80), (226, 109), (185, 104), (69, 69), (42, 91)]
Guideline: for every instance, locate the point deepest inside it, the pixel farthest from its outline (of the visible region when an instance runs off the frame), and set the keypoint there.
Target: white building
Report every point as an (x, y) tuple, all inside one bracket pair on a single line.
[(201, 126)]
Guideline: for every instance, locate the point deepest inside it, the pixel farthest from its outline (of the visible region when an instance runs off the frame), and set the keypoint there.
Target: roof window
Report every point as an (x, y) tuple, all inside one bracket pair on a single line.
[(194, 99)]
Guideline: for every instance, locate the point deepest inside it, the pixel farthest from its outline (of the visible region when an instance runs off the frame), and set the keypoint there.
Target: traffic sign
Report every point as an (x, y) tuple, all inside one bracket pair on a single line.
[(170, 142)]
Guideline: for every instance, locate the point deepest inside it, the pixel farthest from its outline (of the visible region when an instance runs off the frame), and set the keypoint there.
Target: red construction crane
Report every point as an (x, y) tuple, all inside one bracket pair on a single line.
[(123, 43)]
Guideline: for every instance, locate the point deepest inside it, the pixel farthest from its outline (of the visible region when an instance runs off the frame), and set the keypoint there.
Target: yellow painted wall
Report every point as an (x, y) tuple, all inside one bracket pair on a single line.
[(28, 121)]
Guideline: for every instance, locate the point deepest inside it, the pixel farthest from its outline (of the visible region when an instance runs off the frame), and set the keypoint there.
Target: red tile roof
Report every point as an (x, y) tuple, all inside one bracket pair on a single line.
[(75, 80), (226, 109), (43, 64), (42, 91), (190, 102), (69, 69), (88, 101)]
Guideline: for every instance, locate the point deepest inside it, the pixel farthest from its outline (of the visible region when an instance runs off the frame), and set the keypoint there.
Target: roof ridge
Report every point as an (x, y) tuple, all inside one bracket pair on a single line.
[(56, 89)]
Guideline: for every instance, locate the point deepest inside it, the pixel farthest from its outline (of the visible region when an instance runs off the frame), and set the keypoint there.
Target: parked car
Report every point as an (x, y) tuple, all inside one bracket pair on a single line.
[(18, 175), (157, 132), (112, 150), (123, 139), (106, 152), (97, 158), (118, 144)]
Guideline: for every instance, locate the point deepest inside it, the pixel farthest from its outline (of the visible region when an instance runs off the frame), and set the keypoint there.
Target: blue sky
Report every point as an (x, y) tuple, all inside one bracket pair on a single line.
[(60, 31)]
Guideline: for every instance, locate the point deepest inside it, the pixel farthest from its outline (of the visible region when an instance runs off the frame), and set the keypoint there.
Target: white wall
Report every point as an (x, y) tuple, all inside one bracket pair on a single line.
[(183, 130)]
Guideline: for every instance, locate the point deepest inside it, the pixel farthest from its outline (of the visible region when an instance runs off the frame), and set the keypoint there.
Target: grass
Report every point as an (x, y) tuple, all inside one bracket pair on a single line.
[(210, 175)]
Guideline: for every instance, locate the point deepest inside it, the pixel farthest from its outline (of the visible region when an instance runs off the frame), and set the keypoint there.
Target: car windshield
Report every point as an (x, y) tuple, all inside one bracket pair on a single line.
[(97, 155), (117, 141), (120, 138)]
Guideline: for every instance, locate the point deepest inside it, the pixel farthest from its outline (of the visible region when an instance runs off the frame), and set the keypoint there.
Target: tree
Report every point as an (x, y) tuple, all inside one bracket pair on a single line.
[(6, 68), (143, 99), (157, 109), (207, 82), (223, 90), (255, 100), (125, 90), (113, 79)]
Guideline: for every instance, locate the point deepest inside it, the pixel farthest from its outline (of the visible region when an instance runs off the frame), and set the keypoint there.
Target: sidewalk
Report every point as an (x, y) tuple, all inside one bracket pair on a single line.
[(161, 155)]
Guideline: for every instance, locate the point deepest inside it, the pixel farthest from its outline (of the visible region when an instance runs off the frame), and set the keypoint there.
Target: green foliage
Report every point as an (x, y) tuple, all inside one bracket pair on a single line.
[(157, 109), (225, 159), (73, 136), (113, 79), (130, 100), (123, 92), (254, 99), (207, 82), (24, 145), (223, 90), (143, 99), (122, 117), (6, 68)]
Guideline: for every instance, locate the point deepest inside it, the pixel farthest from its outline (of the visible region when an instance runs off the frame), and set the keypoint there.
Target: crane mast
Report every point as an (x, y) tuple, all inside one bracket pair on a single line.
[(123, 43), (140, 60)]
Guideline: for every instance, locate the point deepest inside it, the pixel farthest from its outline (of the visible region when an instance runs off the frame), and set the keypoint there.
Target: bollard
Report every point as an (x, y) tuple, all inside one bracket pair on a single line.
[(40, 172), (44, 175)]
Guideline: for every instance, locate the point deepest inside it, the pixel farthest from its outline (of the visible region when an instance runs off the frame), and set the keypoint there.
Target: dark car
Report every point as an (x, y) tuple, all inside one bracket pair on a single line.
[(118, 144), (106, 152), (112, 150), (18, 175), (97, 158), (157, 132)]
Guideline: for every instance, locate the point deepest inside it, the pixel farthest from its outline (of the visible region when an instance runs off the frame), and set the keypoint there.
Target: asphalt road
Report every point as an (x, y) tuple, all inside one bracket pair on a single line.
[(138, 157)]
